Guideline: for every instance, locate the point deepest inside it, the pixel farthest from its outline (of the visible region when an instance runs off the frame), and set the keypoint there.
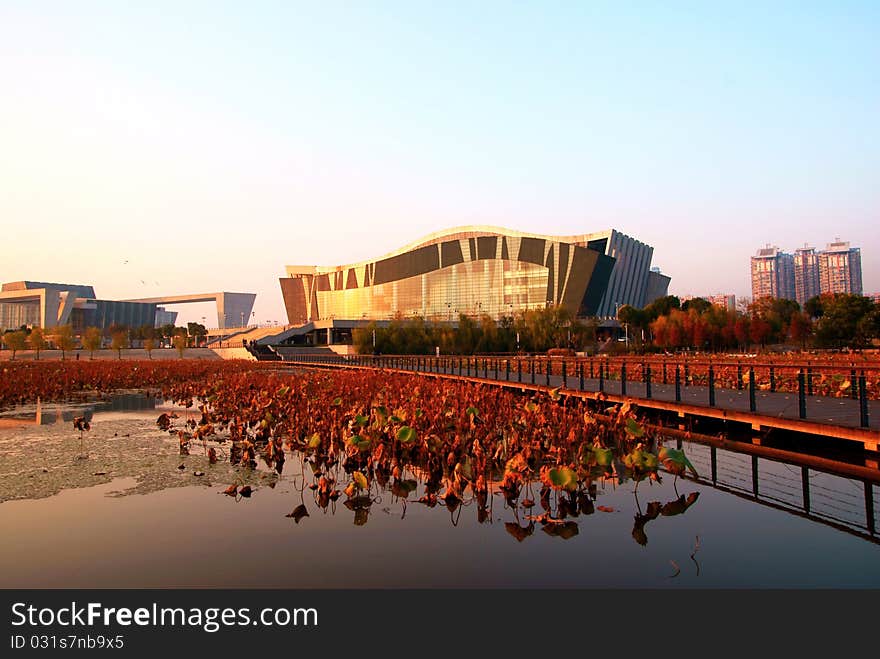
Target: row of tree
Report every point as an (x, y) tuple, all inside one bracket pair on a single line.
[(116, 337), (826, 321), (535, 330)]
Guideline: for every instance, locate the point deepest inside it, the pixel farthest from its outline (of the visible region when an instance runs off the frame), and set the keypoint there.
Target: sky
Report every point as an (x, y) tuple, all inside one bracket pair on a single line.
[(185, 147)]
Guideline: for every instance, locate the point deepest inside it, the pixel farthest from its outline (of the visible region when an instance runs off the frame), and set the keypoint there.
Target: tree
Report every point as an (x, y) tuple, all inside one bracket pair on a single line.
[(196, 331), (91, 340), (759, 331), (841, 321), (800, 328), (662, 306), (698, 304), (63, 338), (168, 330), (15, 341), (149, 346), (179, 342), (119, 341), (37, 340)]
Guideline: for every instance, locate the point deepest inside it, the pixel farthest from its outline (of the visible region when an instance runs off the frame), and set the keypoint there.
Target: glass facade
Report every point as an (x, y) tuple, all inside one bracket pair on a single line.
[(14, 315), (489, 287)]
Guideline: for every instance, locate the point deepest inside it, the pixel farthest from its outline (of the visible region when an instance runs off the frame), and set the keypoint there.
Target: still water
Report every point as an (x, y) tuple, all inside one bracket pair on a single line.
[(128, 515)]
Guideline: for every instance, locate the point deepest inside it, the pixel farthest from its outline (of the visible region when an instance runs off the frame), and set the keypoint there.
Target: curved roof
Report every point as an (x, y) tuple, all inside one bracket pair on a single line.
[(452, 233)]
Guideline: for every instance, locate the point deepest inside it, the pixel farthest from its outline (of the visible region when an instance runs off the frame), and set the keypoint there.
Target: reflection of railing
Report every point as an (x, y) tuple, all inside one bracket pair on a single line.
[(792, 485)]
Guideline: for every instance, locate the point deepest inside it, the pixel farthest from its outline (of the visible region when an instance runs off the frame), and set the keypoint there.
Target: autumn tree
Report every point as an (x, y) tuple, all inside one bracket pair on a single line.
[(15, 341), (37, 340), (180, 342), (64, 340), (119, 340), (91, 340)]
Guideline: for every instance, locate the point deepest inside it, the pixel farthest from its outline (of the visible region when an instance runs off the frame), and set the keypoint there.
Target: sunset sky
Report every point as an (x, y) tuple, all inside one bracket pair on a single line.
[(187, 147)]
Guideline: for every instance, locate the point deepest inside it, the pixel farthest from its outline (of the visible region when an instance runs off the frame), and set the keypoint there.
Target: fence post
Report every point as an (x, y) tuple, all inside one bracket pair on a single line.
[(687, 372), (564, 376), (863, 400), (623, 378), (507, 370), (581, 375), (802, 398), (648, 381), (519, 370), (752, 405), (809, 380), (677, 383), (664, 371), (853, 380), (591, 368), (485, 368), (739, 376), (711, 385), (548, 366), (601, 378), (532, 368), (772, 379)]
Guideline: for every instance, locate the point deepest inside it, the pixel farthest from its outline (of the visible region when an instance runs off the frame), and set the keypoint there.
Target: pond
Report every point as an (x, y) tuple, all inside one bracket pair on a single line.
[(134, 513)]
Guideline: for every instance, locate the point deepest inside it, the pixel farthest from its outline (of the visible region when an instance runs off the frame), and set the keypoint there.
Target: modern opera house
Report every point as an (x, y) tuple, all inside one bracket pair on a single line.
[(478, 270)]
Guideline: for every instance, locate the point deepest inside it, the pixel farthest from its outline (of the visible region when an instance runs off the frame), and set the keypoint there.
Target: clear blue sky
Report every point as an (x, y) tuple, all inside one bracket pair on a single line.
[(209, 144)]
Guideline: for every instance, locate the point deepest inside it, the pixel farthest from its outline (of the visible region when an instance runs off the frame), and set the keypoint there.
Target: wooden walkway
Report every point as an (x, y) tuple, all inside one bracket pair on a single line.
[(840, 418)]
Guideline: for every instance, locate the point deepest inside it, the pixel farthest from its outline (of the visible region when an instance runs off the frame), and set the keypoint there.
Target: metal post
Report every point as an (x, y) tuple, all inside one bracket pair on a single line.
[(755, 475), (664, 371), (805, 487), (648, 381), (532, 368), (468, 366), (591, 368), (507, 370), (863, 401), (601, 378), (772, 379), (677, 383), (564, 376), (581, 375), (852, 380), (802, 395), (753, 407), (739, 377), (486, 369), (623, 378), (687, 372), (459, 367), (713, 454), (809, 380), (869, 507), (711, 386), (547, 369), (519, 370)]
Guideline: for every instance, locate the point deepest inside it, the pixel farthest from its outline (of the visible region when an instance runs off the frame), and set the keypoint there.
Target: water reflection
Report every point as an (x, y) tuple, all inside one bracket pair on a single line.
[(747, 520), (46, 414)]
